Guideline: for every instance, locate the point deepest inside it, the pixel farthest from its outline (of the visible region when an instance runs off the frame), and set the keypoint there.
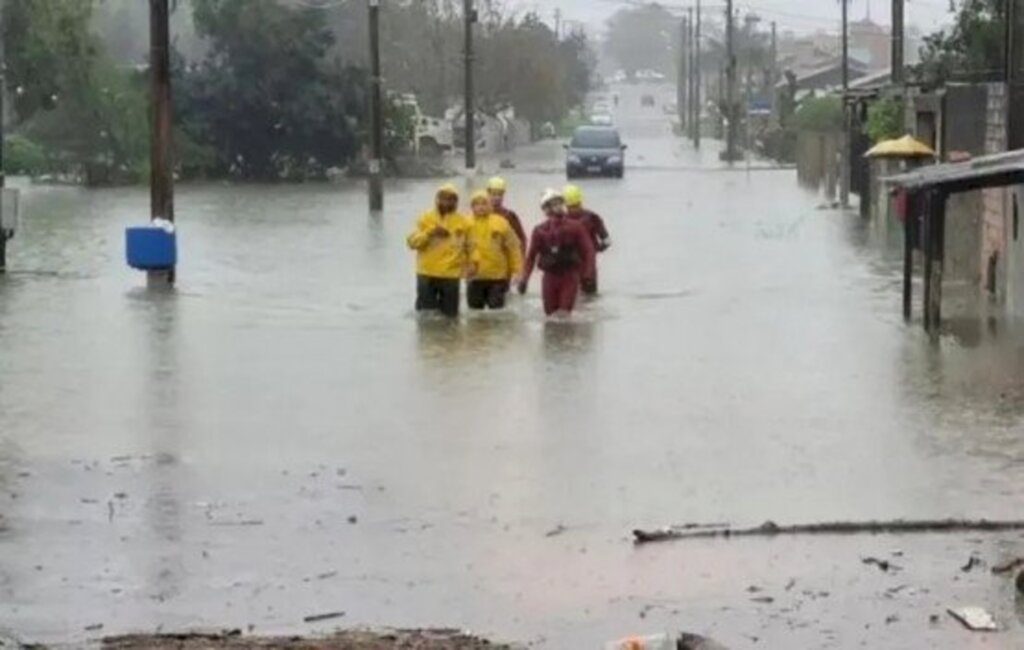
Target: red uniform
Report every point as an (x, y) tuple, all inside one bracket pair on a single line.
[(595, 227), (517, 225), (564, 251)]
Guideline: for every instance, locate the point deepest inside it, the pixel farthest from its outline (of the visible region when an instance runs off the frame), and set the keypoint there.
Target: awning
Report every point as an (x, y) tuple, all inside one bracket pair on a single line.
[(906, 147), (997, 170)]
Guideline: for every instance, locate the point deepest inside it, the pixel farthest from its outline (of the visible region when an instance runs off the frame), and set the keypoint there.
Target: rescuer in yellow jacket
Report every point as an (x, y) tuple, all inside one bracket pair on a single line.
[(442, 254), (495, 253)]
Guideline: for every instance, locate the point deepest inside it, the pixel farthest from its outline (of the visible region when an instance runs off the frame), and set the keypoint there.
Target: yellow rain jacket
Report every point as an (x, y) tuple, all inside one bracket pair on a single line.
[(494, 248), (440, 257)]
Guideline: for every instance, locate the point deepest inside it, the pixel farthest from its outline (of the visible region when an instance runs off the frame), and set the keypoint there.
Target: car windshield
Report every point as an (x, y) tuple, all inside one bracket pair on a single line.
[(596, 139)]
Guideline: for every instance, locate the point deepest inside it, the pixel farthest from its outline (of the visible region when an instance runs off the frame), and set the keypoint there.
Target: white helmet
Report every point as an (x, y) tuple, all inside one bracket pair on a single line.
[(550, 195)]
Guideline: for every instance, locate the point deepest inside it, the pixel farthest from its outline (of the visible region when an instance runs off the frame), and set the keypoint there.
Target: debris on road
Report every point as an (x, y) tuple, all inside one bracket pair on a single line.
[(556, 531), (316, 618), (696, 642), (972, 562), (651, 642), (975, 619), (1008, 566), (884, 565), (94, 628), (355, 640), (771, 529)]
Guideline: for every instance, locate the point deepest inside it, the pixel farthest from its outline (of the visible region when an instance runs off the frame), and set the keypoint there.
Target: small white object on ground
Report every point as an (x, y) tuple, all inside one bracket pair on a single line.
[(974, 618)]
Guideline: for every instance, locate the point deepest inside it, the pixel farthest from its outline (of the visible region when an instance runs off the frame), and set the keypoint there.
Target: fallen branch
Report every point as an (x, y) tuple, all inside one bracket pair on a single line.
[(771, 529)]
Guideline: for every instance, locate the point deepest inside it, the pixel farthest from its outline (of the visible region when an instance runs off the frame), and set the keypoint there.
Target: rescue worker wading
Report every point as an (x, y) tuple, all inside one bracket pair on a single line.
[(496, 190), (562, 249), (494, 253), (442, 254), (595, 227)]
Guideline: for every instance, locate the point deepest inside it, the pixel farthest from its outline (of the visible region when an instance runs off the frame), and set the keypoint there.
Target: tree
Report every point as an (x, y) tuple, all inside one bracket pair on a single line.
[(49, 49), (972, 47), (641, 38), (266, 98), (885, 119)]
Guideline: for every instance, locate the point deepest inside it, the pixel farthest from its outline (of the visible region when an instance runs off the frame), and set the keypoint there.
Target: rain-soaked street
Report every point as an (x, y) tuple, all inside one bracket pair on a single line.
[(281, 436)]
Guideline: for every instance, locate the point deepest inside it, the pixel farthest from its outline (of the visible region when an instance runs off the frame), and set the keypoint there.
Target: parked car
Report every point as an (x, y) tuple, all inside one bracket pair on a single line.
[(601, 119), (595, 150), (647, 101)]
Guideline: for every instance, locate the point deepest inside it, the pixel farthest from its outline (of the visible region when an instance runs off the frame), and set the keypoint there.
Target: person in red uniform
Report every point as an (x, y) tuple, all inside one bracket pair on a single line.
[(563, 251), (594, 224), (496, 188)]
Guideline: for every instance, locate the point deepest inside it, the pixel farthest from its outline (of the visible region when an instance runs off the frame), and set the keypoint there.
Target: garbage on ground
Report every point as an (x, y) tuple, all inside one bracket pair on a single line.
[(1009, 565), (884, 565), (652, 642), (972, 562), (684, 641), (974, 618)]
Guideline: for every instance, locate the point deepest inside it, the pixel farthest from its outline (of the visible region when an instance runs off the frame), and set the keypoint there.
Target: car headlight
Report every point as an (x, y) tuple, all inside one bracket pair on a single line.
[(574, 159), (615, 160)]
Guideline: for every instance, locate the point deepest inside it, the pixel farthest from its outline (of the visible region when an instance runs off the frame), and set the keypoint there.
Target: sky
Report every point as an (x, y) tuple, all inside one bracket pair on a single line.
[(798, 15)]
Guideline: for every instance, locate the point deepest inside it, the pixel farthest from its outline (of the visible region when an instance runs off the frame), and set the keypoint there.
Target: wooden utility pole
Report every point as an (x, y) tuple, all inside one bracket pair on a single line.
[(161, 163), (376, 112), (697, 79), (730, 83), (897, 42), (3, 87), (558, 24), (684, 81), (1009, 40), (773, 74), (844, 139), (469, 16)]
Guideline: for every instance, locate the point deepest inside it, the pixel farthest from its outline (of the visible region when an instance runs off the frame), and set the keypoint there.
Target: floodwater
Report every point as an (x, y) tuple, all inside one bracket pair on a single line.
[(281, 436)]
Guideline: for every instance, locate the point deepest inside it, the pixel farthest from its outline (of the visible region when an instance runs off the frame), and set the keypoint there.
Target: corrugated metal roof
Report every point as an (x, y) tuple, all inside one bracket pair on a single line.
[(995, 170)]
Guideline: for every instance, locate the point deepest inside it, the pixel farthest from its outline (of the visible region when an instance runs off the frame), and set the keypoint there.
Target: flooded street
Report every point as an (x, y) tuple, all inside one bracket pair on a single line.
[(281, 436)]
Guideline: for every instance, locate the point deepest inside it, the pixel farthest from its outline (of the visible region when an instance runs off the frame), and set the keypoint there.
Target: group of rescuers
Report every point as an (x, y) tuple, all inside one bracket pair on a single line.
[(489, 249)]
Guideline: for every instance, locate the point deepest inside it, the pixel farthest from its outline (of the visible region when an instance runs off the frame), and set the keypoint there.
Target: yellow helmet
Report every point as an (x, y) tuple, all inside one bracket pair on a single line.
[(448, 188), (479, 196), (497, 184), (573, 196)]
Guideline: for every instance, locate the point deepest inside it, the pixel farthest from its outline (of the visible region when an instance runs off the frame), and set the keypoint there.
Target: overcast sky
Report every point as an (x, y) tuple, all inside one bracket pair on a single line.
[(799, 15)]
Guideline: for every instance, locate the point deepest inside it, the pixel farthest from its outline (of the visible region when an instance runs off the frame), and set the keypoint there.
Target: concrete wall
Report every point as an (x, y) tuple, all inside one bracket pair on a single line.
[(994, 201)]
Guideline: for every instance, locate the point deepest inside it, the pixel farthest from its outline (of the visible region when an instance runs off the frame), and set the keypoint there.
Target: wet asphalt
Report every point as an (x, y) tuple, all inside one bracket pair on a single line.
[(282, 437)]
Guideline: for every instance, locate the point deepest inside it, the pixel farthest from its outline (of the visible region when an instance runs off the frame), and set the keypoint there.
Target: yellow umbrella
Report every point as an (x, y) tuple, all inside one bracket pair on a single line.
[(906, 147)]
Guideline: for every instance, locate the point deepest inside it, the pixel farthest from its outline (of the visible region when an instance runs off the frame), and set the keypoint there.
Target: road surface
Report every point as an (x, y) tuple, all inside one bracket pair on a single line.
[(282, 437)]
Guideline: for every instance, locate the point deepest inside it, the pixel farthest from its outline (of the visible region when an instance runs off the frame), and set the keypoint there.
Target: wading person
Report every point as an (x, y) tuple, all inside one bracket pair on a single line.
[(563, 251), (496, 188), (594, 225), (441, 249), (495, 256)]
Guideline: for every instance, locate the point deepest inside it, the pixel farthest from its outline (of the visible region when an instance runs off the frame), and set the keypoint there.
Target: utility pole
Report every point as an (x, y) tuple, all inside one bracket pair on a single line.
[(844, 138), (469, 15), (730, 82), (161, 180), (773, 74), (558, 24), (897, 42), (697, 80), (692, 79), (3, 87), (1009, 40), (684, 82), (376, 112)]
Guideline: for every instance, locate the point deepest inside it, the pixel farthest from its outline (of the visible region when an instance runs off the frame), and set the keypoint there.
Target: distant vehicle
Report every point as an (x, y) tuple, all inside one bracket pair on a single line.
[(647, 101), (601, 119), (600, 107), (596, 151), (619, 77), (649, 75)]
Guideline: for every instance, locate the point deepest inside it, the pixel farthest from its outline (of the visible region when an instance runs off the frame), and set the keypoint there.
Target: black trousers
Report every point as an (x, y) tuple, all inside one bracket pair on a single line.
[(488, 294), (438, 294)]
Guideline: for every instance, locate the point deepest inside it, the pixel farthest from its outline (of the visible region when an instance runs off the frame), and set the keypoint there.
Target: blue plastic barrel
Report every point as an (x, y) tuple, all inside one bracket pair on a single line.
[(150, 248)]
